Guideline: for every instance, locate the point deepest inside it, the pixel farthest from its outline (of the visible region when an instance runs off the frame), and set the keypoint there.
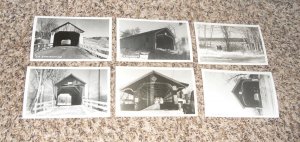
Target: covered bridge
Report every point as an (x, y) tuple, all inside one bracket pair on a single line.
[(247, 91), (72, 87), (66, 35), (149, 41), (152, 88)]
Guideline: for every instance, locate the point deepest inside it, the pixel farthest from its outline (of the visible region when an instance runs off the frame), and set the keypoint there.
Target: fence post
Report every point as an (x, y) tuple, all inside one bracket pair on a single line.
[(34, 108)]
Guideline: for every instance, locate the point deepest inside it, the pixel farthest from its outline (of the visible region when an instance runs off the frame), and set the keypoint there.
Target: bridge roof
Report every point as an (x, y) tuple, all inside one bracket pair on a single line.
[(151, 32), (67, 27), (160, 78), (71, 76)]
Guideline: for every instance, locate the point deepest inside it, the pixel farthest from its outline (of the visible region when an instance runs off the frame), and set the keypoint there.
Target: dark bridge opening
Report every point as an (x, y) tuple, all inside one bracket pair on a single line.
[(164, 42), (64, 38), (75, 94)]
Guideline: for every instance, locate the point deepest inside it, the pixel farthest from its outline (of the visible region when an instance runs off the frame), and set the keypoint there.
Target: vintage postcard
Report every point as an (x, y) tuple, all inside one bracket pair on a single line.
[(230, 44), (239, 94), (153, 41), (67, 92), (155, 91), (71, 39)]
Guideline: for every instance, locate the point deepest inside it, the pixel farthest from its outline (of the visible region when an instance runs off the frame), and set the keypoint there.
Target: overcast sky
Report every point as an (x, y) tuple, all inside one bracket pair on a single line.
[(91, 27), (180, 29), (83, 75)]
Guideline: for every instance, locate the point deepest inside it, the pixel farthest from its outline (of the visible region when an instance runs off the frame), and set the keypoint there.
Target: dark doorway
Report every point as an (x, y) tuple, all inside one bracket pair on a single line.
[(75, 94), (149, 93), (164, 42), (251, 94), (64, 38)]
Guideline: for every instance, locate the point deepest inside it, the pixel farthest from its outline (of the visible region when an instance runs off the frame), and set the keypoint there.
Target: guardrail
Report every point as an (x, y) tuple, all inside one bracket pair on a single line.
[(43, 106), (42, 46), (94, 49), (95, 104)]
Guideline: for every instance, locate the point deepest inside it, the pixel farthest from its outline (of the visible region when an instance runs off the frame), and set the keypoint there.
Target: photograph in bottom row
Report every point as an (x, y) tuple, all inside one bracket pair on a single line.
[(155, 91), (67, 92), (239, 94)]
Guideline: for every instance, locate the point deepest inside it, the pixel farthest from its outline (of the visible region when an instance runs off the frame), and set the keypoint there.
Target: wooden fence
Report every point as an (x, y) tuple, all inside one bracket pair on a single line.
[(43, 106), (95, 104), (96, 50), (42, 46)]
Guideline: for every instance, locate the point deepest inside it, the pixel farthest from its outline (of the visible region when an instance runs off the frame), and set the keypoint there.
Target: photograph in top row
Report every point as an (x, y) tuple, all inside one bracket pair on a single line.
[(71, 39), (239, 94), (153, 41), (230, 44)]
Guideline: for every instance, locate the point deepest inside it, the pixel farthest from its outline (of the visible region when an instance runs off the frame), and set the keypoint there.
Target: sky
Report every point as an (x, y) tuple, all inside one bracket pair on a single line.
[(125, 76), (220, 101), (91, 27), (83, 75), (235, 32), (145, 26)]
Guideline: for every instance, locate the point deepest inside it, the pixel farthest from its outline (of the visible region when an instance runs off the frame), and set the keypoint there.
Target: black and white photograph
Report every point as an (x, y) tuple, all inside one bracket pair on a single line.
[(239, 94), (67, 92), (230, 44), (155, 91), (71, 39), (142, 40)]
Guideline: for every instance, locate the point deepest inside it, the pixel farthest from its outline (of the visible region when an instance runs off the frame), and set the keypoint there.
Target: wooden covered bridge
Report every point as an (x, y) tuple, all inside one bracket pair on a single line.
[(70, 94), (160, 39), (154, 91), (67, 42)]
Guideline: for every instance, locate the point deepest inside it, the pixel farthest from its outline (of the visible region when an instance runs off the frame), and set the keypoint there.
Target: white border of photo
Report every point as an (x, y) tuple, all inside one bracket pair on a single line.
[(27, 83), (208, 101), (63, 17), (229, 63), (151, 113), (119, 58)]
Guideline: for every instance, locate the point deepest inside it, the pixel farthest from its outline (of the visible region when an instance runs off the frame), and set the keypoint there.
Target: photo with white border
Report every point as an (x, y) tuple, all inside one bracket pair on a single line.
[(155, 91), (231, 44), (71, 39), (141, 40), (239, 94), (67, 92)]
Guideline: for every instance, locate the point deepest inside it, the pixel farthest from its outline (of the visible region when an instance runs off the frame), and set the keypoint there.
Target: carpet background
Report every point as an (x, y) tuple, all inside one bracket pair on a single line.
[(279, 21)]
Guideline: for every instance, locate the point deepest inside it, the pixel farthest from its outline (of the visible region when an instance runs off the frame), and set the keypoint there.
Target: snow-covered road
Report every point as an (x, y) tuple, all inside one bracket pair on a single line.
[(69, 111)]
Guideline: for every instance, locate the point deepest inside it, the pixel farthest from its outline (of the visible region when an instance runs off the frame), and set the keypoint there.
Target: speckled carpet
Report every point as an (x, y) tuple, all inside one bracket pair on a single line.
[(279, 21)]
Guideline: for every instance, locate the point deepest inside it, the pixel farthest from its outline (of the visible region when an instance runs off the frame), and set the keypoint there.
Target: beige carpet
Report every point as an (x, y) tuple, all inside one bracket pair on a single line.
[(279, 21)]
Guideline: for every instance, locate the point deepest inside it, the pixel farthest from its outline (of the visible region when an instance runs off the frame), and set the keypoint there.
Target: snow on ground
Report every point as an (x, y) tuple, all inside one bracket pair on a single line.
[(68, 112), (216, 53)]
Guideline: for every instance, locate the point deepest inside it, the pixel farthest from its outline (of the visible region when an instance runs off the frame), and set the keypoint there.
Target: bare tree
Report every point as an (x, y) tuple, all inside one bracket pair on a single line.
[(204, 32), (43, 75), (172, 28), (46, 25), (253, 39), (256, 38), (55, 77), (211, 33), (226, 33), (235, 77), (130, 32)]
